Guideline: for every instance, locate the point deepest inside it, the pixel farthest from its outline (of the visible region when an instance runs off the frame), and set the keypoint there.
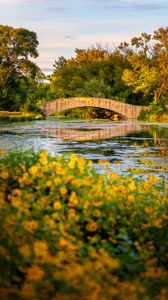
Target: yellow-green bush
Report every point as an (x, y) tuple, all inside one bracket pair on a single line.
[(67, 232), (9, 118)]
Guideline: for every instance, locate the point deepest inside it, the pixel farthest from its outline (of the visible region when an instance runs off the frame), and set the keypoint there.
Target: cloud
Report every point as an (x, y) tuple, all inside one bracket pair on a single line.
[(70, 37), (7, 2), (43, 1), (54, 9), (129, 5)]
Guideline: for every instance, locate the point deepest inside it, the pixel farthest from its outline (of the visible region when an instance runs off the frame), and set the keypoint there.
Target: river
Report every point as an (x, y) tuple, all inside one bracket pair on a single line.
[(124, 144)]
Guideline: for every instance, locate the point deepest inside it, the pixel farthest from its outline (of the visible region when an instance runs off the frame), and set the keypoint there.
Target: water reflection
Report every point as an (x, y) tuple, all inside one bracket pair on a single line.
[(86, 133), (143, 146)]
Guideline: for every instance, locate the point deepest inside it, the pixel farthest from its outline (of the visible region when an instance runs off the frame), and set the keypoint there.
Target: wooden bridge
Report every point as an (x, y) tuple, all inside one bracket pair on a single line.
[(123, 110)]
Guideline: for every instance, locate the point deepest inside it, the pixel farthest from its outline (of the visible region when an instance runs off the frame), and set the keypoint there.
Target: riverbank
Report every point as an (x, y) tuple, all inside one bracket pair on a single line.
[(68, 232), (10, 117)]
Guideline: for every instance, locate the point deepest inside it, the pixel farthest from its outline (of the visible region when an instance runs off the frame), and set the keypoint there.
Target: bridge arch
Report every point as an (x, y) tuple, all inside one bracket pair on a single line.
[(124, 110)]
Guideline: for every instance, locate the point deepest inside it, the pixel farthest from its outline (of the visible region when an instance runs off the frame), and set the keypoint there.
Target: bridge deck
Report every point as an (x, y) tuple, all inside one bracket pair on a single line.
[(124, 110)]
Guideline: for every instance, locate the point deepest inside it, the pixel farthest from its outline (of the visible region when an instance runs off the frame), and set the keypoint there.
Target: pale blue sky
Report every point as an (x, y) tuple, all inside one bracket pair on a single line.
[(63, 25)]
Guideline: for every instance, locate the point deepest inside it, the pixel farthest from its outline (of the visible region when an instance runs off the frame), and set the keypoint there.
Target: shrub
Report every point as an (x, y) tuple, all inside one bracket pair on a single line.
[(156, 113), (12, 117), (67, 232)]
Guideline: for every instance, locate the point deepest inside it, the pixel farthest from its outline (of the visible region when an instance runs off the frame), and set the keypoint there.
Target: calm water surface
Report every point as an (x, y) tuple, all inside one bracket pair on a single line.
[(134, 145)]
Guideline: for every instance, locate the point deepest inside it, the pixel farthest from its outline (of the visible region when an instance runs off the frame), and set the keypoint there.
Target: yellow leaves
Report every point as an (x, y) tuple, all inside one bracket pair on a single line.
[(129, 77)]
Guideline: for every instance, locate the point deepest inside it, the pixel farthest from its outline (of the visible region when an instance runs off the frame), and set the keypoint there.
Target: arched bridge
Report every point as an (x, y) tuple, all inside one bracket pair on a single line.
[(124, 110)]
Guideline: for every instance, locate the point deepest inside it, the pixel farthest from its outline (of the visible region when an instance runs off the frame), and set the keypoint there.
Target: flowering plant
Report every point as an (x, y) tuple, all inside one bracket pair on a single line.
[(67, 232)]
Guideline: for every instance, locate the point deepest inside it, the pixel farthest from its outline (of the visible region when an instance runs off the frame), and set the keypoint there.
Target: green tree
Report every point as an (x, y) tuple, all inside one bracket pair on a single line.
[(148, 71), (17, 46)]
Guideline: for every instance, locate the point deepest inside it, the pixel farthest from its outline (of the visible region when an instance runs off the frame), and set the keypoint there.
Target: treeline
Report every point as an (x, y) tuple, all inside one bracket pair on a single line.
[(136, 73)]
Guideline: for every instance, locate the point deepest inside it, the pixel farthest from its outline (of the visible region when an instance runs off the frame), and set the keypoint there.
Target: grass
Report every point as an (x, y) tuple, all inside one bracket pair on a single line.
[(11, 117)]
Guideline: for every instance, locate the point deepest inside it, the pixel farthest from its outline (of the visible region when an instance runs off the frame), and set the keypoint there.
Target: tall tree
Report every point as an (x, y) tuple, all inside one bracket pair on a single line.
[(17, 46), (148, 71)]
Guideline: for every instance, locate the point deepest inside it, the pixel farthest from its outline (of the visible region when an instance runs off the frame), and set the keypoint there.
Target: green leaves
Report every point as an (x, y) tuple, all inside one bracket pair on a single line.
[(17, 45)]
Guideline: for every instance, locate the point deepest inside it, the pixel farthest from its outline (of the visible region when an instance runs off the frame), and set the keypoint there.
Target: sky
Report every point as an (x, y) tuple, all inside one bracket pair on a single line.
[(64, 25)]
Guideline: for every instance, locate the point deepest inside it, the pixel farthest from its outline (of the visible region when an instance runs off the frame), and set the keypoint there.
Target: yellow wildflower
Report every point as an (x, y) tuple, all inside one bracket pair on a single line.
[(147, 210), (72, 161), (16, 192), (40, 249), (33, 170), (96, 213), (43, 157), (92, 226), (73, 200), (25, 251), (130, 198), (157, 223), (81, 164), (63, 190), (4, 175), (98, 203), (132, 186), (57, 205), (72, 212), (27, 290), (31, 226), (57, 180), (23, 179), (34, 273), (63, 242)]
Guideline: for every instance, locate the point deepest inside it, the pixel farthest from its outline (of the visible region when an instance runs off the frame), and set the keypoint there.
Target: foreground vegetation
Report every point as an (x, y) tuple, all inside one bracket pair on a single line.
[(67, 232)]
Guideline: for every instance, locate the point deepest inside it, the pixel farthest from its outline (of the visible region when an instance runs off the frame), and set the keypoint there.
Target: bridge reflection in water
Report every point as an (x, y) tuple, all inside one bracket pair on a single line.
[(89, 132)]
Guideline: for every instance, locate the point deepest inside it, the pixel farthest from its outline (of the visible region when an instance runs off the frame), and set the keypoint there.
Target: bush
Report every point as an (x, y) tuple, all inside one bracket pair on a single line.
[(67, 232), (14, 117), (156, 113)]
